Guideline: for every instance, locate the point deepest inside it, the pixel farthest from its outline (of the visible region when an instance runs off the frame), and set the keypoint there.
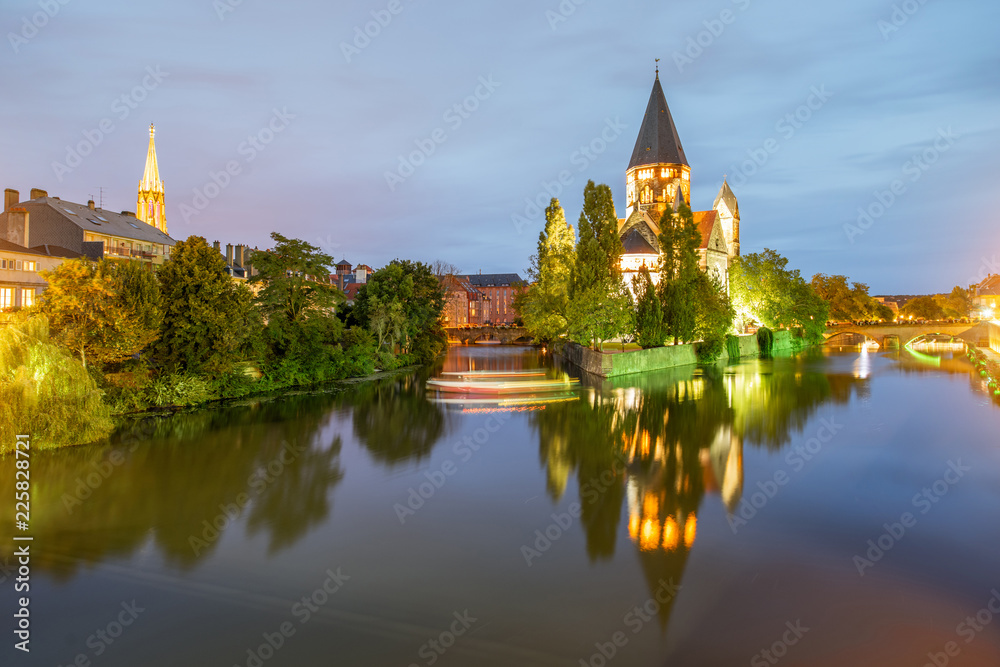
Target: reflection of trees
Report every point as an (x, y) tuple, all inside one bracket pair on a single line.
[(670, 438), (394, 420), (176, 473)]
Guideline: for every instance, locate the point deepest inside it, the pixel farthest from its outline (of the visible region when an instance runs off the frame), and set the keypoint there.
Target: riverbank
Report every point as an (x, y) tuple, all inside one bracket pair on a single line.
[(615, 364)]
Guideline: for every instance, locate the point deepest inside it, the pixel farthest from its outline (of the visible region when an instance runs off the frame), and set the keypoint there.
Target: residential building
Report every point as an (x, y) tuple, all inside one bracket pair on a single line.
[(986, 296), (81, 228), (20, 282), (499, 290)]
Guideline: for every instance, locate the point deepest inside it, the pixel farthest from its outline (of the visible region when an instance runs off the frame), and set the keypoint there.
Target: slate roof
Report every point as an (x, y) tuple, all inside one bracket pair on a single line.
[(634, 243), (101, 221), (658, 141), (493, 279), (343, 262), (55, 251)]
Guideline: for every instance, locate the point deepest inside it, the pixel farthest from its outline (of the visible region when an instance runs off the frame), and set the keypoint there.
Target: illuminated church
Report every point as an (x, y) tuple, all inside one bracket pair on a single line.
[(150, 206), (659, 176)]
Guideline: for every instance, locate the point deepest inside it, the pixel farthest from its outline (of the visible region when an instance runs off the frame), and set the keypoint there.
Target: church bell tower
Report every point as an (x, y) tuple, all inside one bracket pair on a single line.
[(150, 207)]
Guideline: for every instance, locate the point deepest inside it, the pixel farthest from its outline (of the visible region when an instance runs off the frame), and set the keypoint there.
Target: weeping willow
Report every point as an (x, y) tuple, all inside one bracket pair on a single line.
[(44, 391)]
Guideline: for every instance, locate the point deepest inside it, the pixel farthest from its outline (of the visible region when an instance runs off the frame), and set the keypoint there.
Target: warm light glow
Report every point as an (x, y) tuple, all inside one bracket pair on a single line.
[(633, 527), (650, 537), (690, 530), (650, 505), (670, 534)]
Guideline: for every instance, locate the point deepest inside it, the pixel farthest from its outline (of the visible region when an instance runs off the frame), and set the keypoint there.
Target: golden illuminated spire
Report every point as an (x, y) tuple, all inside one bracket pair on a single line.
[(150, 204)]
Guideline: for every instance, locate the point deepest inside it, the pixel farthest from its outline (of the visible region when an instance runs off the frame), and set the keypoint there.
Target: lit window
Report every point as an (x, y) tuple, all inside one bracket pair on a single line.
[(6, 297), (27, 298)]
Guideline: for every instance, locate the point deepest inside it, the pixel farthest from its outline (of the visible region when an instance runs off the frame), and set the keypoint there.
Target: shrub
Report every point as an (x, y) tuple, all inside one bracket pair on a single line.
[(733, 346), (765, 340)]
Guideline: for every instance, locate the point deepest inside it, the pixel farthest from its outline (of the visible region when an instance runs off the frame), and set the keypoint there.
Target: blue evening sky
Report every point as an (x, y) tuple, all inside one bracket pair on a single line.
[(896, 78)]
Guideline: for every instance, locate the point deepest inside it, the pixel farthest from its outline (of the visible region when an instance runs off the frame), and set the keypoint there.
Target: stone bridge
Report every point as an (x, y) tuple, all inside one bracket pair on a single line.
[(505, 335), (905, 332)]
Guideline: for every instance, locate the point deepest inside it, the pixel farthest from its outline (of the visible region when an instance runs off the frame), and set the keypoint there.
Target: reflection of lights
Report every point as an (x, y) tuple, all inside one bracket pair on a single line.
[(485, 411), (690, 530), (863, 366), (649, 539), (670, 534), (633, 527), (650, 505)]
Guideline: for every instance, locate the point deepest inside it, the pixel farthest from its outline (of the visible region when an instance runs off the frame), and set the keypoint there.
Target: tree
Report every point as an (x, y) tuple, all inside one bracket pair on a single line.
[(297, 300), (94, 310), (602, 313), (209, 321), (544, 305), (599, 250), (922, 307), (956, 304), (714, 316), (763, 290), (420, 296), (650, 329), (845, 303), (679, 270)]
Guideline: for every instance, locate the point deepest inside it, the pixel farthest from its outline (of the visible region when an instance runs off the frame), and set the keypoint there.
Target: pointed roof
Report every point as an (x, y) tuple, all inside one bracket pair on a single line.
[(658, 141), (726, 195), (634, 243), (151, 176), (678, 198)]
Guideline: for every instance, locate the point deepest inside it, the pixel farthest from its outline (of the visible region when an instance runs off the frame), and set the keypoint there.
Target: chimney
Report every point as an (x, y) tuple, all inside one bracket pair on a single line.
[(90, 205), (217, 246), (229, 254), (128, 214), (17, 226), (38, 194), (239, 256), (10, 199)]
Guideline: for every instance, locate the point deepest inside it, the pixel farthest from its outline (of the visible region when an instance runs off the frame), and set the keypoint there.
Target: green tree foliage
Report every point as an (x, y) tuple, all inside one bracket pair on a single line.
[(402, 305), (763, 290), (44, 391), (543, 306), (714, 317), (922, 307), (603, 312), (209, 321), (650, 329), (97, 310), (679, 272), (599, 249), (847, 303), (297, 301), (956, 304)]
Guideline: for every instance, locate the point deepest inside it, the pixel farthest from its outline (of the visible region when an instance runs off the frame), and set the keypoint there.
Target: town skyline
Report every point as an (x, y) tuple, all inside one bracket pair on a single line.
[(328, 166)]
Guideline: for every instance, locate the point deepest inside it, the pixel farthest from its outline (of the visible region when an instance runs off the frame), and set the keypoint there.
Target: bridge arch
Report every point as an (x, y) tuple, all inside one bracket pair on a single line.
[(852, 332)]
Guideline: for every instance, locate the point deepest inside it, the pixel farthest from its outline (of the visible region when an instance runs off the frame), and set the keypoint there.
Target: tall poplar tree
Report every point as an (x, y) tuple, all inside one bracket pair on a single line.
[(679, 268), (543, 306)]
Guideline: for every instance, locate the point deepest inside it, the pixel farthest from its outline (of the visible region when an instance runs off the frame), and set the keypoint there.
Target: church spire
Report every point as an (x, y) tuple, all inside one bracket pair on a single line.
[(658, 141), (150, 203)]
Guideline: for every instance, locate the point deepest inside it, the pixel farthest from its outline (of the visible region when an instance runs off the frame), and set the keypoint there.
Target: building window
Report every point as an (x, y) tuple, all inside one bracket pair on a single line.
[(27, 297), (6, 298)]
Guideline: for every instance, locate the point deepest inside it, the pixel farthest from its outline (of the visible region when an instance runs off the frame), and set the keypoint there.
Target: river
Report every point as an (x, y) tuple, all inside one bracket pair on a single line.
[(836, 507)]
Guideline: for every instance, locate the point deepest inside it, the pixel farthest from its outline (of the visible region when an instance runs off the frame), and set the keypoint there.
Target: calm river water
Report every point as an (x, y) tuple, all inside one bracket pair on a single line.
[(834, 508)]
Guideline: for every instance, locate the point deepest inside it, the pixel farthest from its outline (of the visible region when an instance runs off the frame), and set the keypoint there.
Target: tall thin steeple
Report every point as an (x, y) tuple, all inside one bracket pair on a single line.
[(150, 206)]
